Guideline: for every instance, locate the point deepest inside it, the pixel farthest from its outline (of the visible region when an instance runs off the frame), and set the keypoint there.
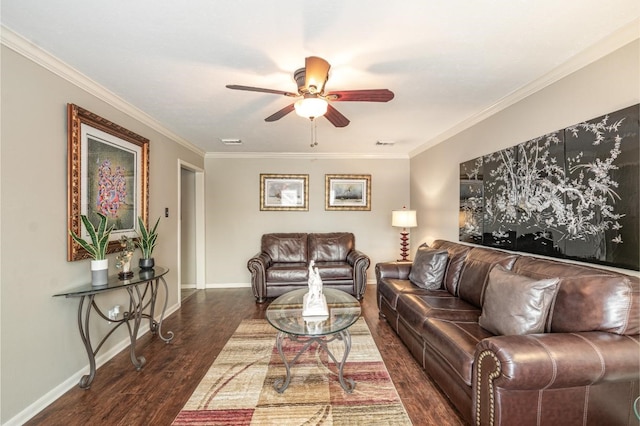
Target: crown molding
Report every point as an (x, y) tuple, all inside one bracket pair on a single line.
[(620, 38), (36, 54), (306, 155)]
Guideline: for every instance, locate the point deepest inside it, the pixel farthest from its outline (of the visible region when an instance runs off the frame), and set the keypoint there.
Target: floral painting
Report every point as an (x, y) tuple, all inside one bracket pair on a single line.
[(111, 183), (572, 193), (107, 173)]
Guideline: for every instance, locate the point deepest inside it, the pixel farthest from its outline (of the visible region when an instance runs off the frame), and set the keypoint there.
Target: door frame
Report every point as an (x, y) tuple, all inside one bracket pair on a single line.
[(199, 224)]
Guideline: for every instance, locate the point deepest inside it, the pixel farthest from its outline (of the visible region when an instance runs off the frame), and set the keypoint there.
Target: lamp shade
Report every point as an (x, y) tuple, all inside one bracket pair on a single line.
[(311, 107), (404, 218)]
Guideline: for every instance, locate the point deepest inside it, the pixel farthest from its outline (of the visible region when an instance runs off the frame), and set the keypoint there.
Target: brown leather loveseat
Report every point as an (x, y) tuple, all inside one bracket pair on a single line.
[(283, 260), (564, 347)]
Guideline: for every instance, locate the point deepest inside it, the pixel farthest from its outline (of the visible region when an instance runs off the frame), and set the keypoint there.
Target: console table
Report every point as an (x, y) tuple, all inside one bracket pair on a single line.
[(143, 291)]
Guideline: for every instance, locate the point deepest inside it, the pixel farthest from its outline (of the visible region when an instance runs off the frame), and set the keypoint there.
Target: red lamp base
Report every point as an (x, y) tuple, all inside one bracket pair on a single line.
[(404, 244)]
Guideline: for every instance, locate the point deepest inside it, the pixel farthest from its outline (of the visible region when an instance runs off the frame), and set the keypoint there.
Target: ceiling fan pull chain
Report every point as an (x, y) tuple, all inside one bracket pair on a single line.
[(314, 140)]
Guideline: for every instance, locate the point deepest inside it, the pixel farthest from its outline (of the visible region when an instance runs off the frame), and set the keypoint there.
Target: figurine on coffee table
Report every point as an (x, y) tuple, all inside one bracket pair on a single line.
[(314, 304)]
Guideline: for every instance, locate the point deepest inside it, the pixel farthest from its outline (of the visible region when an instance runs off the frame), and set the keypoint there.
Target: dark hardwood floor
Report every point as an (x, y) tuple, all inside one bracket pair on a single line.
[(121, 396)]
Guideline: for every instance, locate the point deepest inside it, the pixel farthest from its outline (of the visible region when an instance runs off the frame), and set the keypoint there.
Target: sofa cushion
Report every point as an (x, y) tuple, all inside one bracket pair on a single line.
[(416, 308), (597, 303), (290, 247), (475, 274), (287, 272), (331, 247), (427, 270), (392, 288), (457, 256), (589, 299), (334, 270), (515, 304), (455, 342)]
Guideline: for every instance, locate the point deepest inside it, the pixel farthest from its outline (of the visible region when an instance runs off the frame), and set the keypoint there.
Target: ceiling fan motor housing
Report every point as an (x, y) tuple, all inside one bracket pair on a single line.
[(299, 77)]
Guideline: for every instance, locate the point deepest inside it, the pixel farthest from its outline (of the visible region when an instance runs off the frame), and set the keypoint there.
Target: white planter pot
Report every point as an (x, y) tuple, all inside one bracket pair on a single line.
[(99, 272)]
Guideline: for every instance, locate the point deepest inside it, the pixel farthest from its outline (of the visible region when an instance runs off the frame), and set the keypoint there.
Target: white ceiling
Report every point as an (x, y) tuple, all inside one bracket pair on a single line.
[(446, 61)]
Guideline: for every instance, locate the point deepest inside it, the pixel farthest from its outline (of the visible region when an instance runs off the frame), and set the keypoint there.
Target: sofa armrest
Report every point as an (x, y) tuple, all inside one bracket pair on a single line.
[(393, 270), (360, 263), (258, 266), (539, 362)]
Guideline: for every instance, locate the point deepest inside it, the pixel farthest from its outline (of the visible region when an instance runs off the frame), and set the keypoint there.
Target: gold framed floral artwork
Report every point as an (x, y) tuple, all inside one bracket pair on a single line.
[(108, 173)]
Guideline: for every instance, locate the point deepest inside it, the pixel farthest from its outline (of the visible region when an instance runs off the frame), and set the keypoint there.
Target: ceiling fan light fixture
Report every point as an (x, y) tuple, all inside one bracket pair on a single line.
[(311, 107)]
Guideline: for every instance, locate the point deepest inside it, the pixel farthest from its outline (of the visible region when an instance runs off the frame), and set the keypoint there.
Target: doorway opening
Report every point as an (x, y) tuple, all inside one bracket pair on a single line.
[(191, 245)]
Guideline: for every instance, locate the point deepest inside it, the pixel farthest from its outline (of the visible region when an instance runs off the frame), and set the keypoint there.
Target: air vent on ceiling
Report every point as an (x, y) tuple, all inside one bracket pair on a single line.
[(385, 143), (231, 141)]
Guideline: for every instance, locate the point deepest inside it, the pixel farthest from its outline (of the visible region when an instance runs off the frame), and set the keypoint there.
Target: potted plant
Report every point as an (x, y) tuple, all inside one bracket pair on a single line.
[(147, 242), (97, 248)]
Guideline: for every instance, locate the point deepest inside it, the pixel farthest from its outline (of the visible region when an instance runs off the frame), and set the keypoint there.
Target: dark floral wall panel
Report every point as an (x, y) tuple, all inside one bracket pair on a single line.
[(572, 193), (540, 176), (602, 172), (500, 199), (471, 201)]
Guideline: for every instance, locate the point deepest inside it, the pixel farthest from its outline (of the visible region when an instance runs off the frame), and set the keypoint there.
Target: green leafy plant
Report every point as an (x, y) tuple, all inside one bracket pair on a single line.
[(99, 237), (147, 238)]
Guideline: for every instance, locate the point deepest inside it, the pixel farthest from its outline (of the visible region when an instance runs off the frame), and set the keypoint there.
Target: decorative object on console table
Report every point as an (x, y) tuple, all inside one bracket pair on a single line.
[(97, 249), (404, 219), (124, 258), (147, 242)]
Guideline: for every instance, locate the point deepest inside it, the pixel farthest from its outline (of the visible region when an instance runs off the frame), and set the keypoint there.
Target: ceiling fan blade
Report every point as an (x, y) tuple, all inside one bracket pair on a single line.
[(279, 114), (259, 89), (335, 117), (372, 95), (316, 73)]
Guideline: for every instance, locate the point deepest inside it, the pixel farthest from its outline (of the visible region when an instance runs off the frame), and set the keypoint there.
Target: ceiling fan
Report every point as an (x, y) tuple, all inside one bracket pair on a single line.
[(314, 102)]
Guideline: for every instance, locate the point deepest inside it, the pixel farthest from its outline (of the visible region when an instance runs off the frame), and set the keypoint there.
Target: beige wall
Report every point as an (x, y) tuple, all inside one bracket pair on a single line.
[(606, 85), (235, 222), (41, 347)]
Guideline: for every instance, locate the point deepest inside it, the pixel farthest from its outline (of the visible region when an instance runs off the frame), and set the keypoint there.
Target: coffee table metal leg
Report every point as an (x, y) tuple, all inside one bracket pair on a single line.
[(280, 385), (347, 384)]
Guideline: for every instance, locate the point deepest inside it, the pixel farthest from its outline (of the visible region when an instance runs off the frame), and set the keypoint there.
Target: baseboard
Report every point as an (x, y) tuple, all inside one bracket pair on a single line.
[(55, 393), (228, 285), (187, 286)]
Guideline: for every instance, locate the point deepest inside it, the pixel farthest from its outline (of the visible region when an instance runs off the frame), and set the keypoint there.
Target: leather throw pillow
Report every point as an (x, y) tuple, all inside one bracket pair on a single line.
[(515, 304), (429, 265)]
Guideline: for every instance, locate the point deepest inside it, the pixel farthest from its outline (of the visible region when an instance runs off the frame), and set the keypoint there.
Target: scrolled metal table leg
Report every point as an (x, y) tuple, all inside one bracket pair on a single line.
[(345, 336), (85, 381), (164, 308), (138, 362), (280, 385), (347, 384)]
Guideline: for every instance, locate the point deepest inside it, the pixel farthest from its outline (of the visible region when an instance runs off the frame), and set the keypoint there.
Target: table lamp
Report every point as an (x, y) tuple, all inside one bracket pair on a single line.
[(404, 219)]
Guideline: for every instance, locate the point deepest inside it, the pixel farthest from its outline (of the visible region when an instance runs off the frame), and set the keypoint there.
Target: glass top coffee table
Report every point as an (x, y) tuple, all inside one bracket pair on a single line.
[(285, 314)]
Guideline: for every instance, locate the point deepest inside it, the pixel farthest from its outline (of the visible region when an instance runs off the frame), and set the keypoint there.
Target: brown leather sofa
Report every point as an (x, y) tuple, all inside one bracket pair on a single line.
[(283, 260), (583, 369)]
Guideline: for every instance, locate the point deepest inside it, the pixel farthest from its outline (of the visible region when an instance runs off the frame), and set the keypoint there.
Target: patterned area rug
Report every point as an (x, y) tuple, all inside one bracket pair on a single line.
[(238, 388)]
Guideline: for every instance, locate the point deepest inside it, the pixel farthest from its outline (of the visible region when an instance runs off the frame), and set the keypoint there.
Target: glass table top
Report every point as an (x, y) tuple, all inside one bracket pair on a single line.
[(138, 277), (285, 313)]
